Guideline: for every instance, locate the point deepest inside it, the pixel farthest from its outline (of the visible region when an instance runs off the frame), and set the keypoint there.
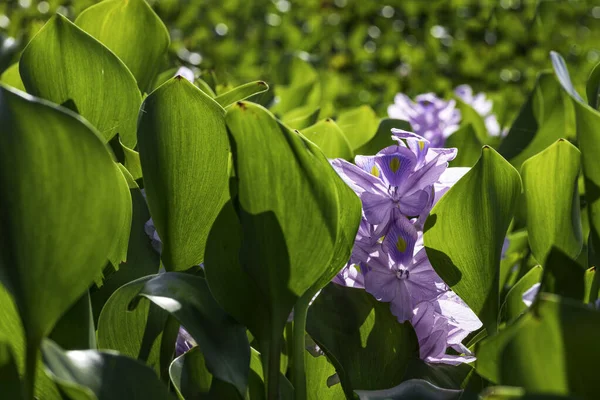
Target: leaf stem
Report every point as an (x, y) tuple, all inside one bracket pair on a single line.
[(31, 355), (299, 346)]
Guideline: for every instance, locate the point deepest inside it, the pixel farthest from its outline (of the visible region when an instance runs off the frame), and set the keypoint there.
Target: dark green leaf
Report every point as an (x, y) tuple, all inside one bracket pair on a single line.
[(414, 389), (90, 374), (563, 276), (241, 93), (75, 329), (513, 305), (383, 136), (184, 154), (62, 62), (593, 88), (189, 375), (10, 384)]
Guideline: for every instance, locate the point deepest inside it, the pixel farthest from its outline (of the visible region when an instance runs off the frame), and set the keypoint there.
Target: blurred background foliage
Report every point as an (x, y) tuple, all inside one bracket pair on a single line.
[(364, 51)]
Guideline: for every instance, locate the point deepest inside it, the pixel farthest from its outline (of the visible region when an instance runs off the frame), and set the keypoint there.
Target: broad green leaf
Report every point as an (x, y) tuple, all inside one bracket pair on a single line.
[(241, 93), (62, 63), (593, 88), (90, 374), (318, 371), (442, 375), (517, 251), (184, 154), (411, 390), (329, 137), (587, 121), (11, 333), (563, 276), (11, 77), (515, 393), (465, 232), (513, 305), (10, 384), (75, 330), (132, 162), (359, 336), (142, 259), (552, 200), (468, 144), (57, 228), (547, 350), (221, 339), (301, 117), (135, 333), (471, 117), (131, 30), (189, 375), (294, 96), (359, 125), (543, 119), (383, 136)]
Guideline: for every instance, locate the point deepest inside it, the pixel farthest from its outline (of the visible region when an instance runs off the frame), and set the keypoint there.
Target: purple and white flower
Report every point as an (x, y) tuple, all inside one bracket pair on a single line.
[(483, 106)]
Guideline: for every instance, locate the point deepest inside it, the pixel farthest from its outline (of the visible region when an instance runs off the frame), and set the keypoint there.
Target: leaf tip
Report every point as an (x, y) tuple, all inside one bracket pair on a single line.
[(241, 105), (262, 83)]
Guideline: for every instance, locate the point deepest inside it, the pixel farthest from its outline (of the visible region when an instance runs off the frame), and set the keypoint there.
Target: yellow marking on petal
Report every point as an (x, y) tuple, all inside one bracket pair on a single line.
[(401, 245), (421, 145), (375, 171), (395, 164)]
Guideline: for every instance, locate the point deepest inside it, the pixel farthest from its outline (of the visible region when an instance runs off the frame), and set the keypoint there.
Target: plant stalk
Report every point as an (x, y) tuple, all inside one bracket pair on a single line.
[(299, 347), (31, 356)]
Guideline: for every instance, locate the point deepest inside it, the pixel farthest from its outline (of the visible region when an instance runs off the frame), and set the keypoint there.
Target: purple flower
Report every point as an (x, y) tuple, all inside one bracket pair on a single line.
[(184, 342), (351, 276), (401, 274), (398, 179), (443, 323), (483, 106), (430, 117), (530, 294)]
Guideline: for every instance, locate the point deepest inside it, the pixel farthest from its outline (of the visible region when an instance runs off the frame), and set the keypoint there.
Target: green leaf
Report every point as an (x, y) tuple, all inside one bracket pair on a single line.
[(90, 374), (414, 389), (221, 339), (471, 117), (359, 335), (318, 371), (465, 232), (189, 375), (329, 137), (359, 125), (563, 276), (514, 393), (11, 333), (142, 259), (10, 384), (184, 154), (547, 350), (50, 208), (593, 88), (11, 77), (442, 375), (513, 305), (301, 117), (383, 136), (241, 93), (135, 333), (543, 119), (132, 162), (131, 30), (63, 62), (468, 144), (75, 330), (587, 121), (294, 96), (552, 199)]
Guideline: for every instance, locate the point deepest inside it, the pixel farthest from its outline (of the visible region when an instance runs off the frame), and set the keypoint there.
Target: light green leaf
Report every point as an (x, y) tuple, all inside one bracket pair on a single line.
[(11, 77), (184, 154), (241, 93), (466, 229), (221, 339), (329, 137), (587, 121), (359, 125), (135, 333), (90, 374), (411, 390), (189, 375), (513, 304), (359, 335), (58, 227), (471, 117), (62, 63), (132, 162), (543, 119), (301, 117), (318, 371), (552, 200), (131, 30)]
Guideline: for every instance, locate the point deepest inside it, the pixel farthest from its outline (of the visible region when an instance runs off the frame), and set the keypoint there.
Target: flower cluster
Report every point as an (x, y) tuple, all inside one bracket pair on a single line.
[(436, 119), (398, 187)]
